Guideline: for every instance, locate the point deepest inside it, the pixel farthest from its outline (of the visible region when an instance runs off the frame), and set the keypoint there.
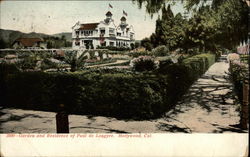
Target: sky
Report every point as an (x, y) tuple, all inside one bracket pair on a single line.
[(53, 17)]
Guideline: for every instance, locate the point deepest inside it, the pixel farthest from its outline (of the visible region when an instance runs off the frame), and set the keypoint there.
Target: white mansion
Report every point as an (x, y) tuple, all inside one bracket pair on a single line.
[(104, 33)]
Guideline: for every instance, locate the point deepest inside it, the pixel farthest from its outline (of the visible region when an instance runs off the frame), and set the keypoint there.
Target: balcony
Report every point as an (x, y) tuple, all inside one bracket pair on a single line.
[(111, 35), (123, 38)]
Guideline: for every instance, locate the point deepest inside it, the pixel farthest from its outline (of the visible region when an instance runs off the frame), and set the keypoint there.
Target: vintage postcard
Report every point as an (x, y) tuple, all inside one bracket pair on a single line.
[(124, 78)]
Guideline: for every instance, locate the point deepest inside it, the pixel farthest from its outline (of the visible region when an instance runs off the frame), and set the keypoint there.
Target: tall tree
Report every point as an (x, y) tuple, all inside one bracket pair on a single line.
[(169, 29), (213, 24)]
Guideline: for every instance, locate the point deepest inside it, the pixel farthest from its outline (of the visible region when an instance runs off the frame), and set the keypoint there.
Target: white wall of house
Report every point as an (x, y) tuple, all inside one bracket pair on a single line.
[(125, 38)]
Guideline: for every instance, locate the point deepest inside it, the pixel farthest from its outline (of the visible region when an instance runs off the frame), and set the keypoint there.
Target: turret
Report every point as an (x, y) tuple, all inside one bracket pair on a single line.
[(123, 23), (123, 20), (108, 17)]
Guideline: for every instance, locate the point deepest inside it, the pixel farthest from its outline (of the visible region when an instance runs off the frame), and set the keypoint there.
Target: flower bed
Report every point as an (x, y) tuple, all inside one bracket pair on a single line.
[(238, 72)]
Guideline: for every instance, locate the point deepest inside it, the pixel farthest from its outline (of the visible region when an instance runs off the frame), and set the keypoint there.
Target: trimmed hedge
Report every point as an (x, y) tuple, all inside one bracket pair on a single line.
[(113, 48), (121, 95)]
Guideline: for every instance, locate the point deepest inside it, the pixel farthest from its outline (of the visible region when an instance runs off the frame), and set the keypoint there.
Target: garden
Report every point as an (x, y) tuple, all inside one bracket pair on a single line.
[(145, 85)]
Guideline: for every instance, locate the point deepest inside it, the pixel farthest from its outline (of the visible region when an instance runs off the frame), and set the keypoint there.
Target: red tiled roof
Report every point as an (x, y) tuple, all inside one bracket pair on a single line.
[(88, 26), (29, 41)]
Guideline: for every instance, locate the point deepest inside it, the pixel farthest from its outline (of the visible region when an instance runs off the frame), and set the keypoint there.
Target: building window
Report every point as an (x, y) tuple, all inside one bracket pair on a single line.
[(102, 31), (111, 43), (77, 43), (86, 33), (77, 32), (119, 34), (111, 30), (131, 36)]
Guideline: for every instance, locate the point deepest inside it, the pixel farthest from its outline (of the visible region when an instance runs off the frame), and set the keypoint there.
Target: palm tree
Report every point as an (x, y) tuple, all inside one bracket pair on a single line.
[(75, 61)]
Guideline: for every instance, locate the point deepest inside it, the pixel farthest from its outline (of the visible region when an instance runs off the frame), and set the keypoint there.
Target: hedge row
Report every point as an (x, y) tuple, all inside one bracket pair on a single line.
[(121, 95)]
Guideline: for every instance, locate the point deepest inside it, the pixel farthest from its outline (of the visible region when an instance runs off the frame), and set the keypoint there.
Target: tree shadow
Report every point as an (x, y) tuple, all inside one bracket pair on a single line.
[(172, 128), (209, 94), (13, 117), (230, 128), (109, 129)]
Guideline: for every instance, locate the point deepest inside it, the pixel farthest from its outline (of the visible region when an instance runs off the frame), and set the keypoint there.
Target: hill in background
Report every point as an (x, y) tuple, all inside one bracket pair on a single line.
[(68, 35), (7, 37)]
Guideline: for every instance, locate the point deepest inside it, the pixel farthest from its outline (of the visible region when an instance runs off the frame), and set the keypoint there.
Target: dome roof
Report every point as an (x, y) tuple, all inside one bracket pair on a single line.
[(108, 13), (123, 18)]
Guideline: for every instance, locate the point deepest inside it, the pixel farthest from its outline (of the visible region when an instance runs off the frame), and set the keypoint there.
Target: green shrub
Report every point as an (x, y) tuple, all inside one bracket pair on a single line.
[(76, 62), (48, 64), (161, 50), (5, 70), (143, 63), (199, 64), (238, 73), (182, 75), (27, 63)]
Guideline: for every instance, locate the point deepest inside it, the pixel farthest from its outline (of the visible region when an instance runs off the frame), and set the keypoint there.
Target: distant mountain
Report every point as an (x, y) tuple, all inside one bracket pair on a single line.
[(9, 36), (68, 35)]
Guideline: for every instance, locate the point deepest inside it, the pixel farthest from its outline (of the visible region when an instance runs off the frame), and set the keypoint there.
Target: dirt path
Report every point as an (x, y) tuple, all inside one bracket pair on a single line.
[(208, 108), (108, 64)]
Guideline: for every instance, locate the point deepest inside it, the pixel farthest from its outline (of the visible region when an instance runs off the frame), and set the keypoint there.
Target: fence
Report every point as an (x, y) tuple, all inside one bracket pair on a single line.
[(244, 108)]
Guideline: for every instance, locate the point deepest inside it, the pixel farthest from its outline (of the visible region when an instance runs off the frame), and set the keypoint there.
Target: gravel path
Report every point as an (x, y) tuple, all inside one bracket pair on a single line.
[(208, 107)]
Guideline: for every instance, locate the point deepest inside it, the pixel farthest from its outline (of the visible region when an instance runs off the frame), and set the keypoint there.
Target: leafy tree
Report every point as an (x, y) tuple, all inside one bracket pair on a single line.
[(232, 17), (137, 44), (169, 29), (63, 37), (49, 44), (152, 6), (214, 24), (147, 44), (68, 44), (199, 31)]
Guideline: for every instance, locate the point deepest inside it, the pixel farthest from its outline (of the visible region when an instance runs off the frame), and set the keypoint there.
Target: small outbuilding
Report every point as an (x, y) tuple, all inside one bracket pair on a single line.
[(31, 43)]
